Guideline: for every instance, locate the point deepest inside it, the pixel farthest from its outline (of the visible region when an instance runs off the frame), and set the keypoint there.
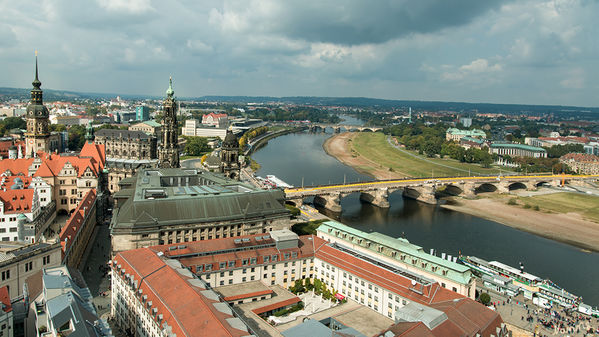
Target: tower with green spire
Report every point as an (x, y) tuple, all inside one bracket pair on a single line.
[(168, 154), (89, 132), (38, 134)]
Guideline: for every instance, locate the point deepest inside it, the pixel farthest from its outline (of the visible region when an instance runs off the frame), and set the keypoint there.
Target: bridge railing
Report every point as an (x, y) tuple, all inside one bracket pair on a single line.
[(438, 178)]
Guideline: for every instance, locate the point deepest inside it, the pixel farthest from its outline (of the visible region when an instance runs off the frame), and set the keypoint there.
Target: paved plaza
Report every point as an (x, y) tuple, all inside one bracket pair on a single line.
[(523, 314)]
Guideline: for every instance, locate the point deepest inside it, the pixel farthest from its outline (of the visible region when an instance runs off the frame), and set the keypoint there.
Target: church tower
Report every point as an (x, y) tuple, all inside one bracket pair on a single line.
[(37, 135), (229, 156), (168, 155)]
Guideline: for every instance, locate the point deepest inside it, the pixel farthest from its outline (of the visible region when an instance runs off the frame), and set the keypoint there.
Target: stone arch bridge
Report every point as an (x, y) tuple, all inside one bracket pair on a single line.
[(340, 127), (426, 189)]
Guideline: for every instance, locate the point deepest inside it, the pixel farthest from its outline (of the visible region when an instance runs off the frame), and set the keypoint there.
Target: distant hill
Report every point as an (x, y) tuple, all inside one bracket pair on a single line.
[(358, 102)]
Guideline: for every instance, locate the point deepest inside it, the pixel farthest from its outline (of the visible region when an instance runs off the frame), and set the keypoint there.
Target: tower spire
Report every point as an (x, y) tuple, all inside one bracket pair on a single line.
[(170, 92), (36, 82)]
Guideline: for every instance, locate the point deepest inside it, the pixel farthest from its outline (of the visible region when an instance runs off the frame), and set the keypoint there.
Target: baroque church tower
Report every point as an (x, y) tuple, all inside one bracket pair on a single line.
[(37, 137), (229, 156), (168, 155)]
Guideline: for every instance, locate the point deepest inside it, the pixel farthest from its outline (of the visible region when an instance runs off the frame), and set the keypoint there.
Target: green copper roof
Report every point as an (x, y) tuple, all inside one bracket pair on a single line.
[(152, 123), (455, 272), (170, 92), (471, 133)]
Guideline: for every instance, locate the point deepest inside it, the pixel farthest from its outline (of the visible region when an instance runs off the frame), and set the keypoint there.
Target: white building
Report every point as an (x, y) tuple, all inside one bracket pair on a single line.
[(217, 120), (18, 209), (193, 128)]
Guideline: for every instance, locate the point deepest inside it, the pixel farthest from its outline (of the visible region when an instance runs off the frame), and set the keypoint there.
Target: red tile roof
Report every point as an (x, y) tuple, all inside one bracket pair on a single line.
[(5, 299), (75, 223), (183, 307), (580, 157), (16, 166), (10, 181), (465, 317), (96, 151), (277, 305), (17, 201), (191, 251)]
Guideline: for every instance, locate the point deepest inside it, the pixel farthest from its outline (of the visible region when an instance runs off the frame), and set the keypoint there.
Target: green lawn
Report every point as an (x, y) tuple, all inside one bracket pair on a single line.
[(585, 205), (374, 147)]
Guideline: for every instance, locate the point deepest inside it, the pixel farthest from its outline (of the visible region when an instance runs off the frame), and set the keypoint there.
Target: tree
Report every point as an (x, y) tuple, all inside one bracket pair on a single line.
[(484, 298), (76, 137), (196, 146), (13, 123)]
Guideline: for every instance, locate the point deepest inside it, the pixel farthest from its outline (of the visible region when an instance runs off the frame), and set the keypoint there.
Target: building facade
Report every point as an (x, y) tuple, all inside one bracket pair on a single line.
[(168, 155), (127, 144), (161, 206), (457, 134), (518, 150), (403, 254), (219, 120), (19, 261), (581, 163), (142, 113), (149, 127), (193, 128)]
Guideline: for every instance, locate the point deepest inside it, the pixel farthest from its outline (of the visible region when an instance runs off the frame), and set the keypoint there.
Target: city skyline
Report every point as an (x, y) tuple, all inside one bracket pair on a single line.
[(524, 52)]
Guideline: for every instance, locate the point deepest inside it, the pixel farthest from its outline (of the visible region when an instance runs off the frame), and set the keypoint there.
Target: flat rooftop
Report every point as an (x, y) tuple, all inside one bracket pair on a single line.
[(365, 320), (280, 295), (243, 290)]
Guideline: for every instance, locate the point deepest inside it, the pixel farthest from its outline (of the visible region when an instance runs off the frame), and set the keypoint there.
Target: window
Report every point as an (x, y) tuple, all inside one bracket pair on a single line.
[(231, 264), (244, 279), (28, 266), (253, 260), (454, 289), (46, 260), (266, 259), (222, 265), (244, 262), (5, 275), (12, 229)]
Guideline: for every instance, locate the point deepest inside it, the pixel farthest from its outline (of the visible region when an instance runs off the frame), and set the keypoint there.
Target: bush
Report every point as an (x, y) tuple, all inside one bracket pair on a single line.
[(527, 206), (536, 208), (484, 298), (512, 201)]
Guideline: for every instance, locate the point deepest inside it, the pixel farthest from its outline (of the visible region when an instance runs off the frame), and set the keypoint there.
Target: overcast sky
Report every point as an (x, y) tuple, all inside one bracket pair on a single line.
[(533, 52)]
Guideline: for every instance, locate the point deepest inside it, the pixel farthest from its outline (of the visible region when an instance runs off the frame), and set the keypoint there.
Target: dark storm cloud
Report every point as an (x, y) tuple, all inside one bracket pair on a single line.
[(353, 22)]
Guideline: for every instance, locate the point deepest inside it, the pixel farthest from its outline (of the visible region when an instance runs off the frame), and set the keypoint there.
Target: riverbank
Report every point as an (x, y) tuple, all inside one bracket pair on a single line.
[(571, 228), (339, 147)]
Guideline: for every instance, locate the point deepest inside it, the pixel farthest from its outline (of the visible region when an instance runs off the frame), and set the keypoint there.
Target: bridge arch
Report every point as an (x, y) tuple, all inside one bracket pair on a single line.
[(449, 190), (411, 193), (542, 183), (516, 186), (485, 188)]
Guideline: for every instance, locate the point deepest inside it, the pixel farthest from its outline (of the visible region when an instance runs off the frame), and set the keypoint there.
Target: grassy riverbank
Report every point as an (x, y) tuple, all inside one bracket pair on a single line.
[(374, 155)]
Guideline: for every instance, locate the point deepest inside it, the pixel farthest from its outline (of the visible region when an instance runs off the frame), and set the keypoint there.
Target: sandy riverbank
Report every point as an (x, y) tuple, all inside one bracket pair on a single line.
[(570, 228)]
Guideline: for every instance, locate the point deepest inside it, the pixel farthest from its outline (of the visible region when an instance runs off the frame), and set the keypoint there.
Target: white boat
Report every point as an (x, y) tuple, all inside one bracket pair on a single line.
[(531, 285), (276, 182)]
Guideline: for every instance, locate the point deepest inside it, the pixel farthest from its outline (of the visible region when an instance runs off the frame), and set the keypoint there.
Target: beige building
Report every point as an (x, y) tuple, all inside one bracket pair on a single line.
[(151, 128), (127, 144), (19, 261), (581, 163)]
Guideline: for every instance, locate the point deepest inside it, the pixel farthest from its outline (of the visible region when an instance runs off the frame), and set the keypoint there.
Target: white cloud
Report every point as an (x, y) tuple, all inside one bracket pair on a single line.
[(476, 71), (130, 6)]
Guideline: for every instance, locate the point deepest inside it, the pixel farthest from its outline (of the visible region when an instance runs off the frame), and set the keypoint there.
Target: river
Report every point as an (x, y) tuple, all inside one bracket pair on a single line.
[(297, 158)]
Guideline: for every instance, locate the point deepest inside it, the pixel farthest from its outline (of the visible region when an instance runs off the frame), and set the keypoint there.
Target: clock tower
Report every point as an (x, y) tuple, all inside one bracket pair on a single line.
[(37, 135), (168, 154)]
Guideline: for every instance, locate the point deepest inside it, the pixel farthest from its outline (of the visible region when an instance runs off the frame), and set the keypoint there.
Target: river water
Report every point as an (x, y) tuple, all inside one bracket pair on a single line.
[(297, 158)]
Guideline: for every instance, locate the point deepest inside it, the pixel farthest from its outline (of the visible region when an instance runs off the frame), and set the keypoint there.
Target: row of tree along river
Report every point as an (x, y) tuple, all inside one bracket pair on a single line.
[(299, 158)]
